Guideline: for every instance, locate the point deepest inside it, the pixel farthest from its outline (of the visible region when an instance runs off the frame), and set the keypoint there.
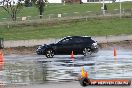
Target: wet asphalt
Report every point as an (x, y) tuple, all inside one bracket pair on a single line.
[(31, 71)]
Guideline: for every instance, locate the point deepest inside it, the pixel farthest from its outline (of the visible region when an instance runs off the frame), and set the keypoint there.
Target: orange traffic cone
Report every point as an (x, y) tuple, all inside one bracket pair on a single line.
[(72, 56), (115, 53), (86, 74), (1, 58)]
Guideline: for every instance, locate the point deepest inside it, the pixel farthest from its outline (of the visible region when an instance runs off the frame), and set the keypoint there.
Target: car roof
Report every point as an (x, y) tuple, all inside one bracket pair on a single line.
[(78, 37)]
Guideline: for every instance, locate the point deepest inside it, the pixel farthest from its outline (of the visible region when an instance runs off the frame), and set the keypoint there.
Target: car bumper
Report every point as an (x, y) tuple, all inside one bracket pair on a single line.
[(39, 52), (95, 49)]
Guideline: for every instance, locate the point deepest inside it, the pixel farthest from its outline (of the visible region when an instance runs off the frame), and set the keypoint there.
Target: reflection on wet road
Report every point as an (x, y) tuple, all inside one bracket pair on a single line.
[(26, 69)]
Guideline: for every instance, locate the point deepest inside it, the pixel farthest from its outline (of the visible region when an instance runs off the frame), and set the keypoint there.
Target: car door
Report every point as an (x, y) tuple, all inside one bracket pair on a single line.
[(77, 45), (64, 46)]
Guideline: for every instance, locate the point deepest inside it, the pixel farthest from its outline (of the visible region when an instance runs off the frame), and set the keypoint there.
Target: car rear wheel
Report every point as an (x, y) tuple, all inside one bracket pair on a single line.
[(87, 51), (49, 53)]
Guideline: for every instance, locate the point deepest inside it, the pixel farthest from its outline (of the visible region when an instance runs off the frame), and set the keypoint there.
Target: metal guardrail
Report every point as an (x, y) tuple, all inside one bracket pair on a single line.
[(88, 14), (62, 18)]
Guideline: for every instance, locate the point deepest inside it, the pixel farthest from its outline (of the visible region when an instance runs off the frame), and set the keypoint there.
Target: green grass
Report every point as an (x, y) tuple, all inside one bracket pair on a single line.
[(92, 27), (70, 9)]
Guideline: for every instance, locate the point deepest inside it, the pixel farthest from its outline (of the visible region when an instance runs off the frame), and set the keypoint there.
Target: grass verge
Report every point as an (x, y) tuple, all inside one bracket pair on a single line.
[(91, 27)]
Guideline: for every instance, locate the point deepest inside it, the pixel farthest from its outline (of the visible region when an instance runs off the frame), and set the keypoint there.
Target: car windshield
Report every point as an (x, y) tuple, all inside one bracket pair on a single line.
[(59, 41)]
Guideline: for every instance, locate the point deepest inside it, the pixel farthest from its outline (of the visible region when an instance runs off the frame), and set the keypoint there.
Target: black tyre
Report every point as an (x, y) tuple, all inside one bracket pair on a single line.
[(87, 51), (49, 53), (85, 82)]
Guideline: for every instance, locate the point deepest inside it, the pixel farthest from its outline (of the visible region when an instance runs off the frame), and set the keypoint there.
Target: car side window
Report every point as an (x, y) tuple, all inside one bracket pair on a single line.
[(66, 40), (77, 40), (89, 40)]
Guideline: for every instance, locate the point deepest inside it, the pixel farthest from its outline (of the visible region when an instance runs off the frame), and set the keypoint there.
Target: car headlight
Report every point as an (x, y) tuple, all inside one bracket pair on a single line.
[(39, 47), (95, 44)]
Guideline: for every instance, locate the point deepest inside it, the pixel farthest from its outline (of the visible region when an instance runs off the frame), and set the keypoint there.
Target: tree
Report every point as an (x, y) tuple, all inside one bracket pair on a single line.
[(12, 7), (40, 5)]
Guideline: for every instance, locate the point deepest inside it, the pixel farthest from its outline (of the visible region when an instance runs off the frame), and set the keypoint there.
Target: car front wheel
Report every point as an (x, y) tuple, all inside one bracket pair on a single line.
[(49, 53), (87, 51)]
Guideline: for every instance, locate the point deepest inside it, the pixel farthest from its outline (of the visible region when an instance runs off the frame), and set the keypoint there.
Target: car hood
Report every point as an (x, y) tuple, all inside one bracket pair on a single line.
[(48, 45), (52, 44)]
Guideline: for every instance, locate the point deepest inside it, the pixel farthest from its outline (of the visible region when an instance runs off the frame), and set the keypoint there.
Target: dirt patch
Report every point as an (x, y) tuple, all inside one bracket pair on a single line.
[(127, 44), (32, 50), (20, 50)]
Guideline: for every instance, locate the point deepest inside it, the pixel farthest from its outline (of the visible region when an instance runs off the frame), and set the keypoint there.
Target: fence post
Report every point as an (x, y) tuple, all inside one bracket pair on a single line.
[(49, 17), (1, 43), (123, 11), (86, 18), (131, 11)]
